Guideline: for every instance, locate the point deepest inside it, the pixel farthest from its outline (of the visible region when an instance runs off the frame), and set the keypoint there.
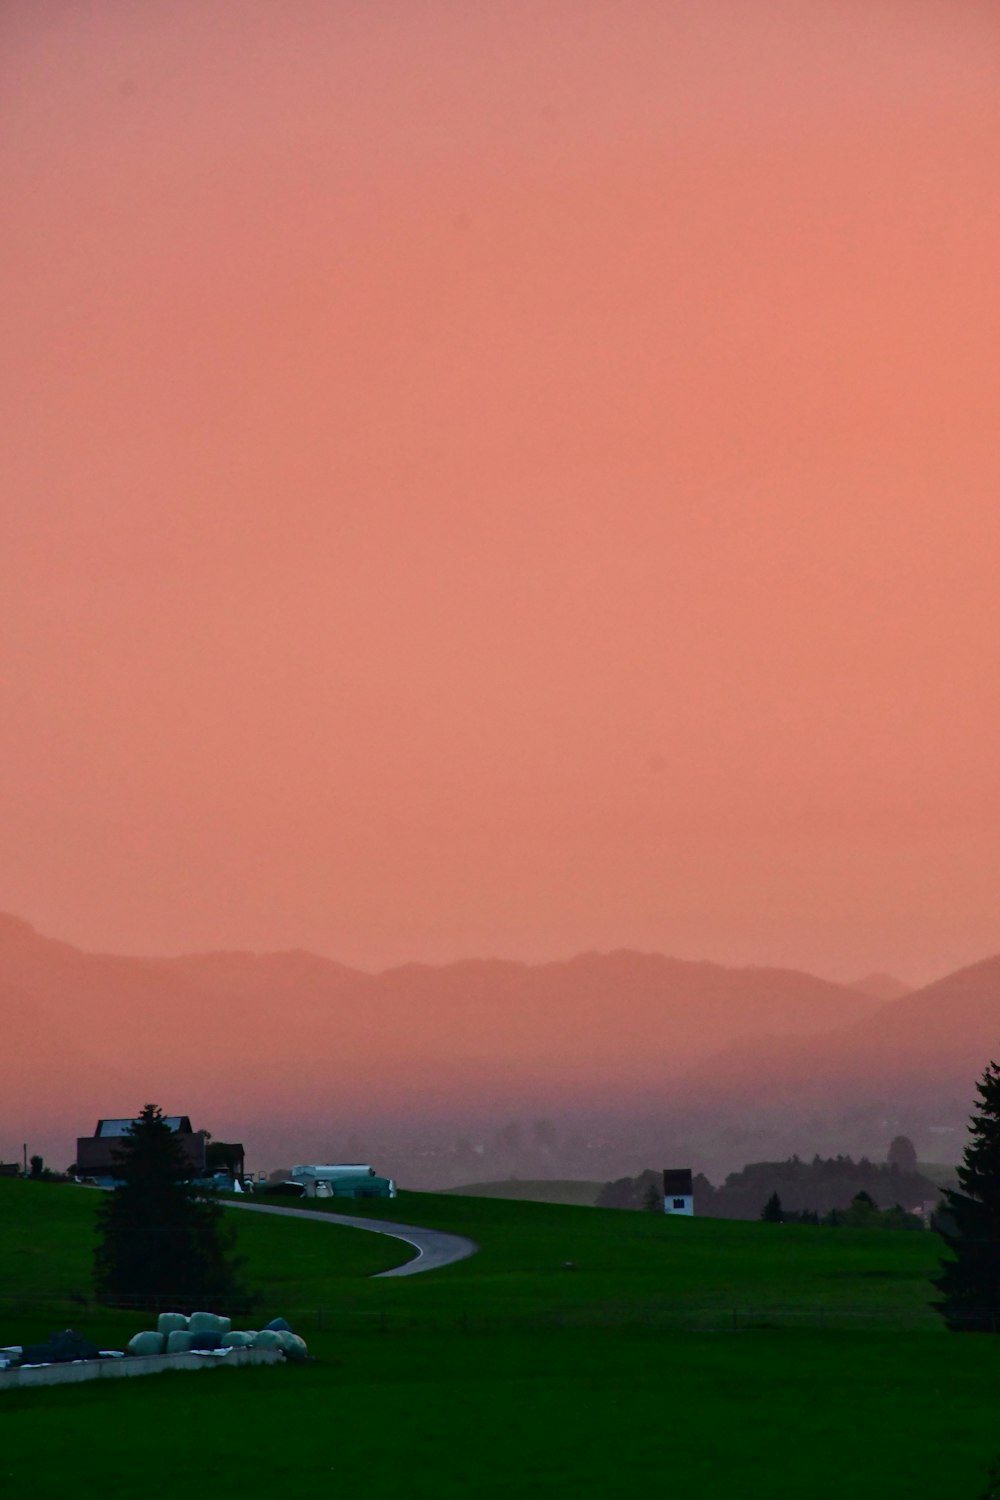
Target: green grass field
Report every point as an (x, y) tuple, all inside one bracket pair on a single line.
[(717, 1358), (533, 1190)]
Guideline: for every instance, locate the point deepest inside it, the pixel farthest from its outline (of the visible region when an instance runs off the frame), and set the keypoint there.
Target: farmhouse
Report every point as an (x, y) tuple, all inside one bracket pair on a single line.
[(219, 1162), (678, 1191)]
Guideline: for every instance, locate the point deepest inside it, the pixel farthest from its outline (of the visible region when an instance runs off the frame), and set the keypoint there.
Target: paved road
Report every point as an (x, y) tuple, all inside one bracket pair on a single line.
[(434, 1248)]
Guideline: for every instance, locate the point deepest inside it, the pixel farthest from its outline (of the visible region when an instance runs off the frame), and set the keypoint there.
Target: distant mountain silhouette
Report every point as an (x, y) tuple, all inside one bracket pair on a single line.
[(882, 986), (241, 1038), (298, 1047), (929, 1045)]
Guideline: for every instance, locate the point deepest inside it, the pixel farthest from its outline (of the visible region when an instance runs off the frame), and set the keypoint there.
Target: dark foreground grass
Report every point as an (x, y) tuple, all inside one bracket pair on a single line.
[(550, 1412), (508, 1374)]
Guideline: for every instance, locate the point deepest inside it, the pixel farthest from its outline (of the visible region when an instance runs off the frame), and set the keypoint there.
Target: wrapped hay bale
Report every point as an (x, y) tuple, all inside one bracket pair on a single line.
[(207, 1322), (278, 1325), (169, 1323), (147, 1342), (267, 1339), (237, 1340), (296, 1349), (179, 1341)]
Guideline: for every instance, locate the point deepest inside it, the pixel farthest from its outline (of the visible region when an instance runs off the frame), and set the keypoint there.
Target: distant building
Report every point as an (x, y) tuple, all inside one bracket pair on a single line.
[(344, 1180), (218, 1162), (678, 1191)]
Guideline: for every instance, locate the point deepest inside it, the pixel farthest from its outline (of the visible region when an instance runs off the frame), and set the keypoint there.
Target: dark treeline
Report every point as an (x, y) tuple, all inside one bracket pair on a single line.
[(818, 1186)]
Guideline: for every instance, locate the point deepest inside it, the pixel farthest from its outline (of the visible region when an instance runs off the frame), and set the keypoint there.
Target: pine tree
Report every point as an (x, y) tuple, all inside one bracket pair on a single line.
[(772, 1213), (902, 1154), (970, 1280), (160, 1236), (652, 1199)]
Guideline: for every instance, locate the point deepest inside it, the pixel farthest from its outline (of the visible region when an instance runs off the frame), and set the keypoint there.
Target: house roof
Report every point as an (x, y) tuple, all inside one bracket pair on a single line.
[(180, 1123), (677, 1181)]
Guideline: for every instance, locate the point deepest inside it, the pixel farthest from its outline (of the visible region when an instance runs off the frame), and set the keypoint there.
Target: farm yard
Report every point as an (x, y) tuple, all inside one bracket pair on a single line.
[(581, 1351)]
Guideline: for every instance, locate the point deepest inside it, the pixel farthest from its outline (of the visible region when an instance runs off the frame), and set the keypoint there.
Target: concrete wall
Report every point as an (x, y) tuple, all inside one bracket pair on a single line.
[(19, 1379)]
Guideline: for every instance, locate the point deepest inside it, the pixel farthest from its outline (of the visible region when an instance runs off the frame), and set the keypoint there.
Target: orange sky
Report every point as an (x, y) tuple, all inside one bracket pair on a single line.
[(503, 478)]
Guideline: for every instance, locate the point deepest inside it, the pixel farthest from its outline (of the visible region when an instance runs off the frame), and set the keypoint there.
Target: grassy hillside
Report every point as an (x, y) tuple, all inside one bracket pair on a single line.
[(533, 1191), (600, 1267), (47, 1242), (512, 1370)]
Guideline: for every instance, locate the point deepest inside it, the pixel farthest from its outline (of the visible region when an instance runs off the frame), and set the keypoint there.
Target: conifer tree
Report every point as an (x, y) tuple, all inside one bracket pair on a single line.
[(902, 1154), (970, 1279), (160, 1236), (772, 1213)]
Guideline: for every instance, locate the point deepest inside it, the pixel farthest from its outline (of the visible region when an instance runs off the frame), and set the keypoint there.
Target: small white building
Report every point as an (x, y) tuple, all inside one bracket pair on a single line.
[(678, 1191)]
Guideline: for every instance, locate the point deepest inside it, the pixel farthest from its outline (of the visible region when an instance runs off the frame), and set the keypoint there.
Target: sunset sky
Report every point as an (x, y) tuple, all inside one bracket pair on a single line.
[(503, 478)]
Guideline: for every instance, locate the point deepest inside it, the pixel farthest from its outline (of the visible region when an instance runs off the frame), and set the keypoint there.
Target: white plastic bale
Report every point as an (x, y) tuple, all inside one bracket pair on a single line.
[(209, 1322), (170, 1322), (237, 1340), (147, 1342)]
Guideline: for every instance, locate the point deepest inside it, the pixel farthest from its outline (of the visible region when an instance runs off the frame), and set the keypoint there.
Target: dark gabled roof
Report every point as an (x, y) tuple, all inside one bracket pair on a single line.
[(180, 1123), (677, 1182)]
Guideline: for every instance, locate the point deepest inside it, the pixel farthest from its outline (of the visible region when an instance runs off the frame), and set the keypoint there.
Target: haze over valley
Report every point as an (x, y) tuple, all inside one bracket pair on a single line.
[(593, 1066)]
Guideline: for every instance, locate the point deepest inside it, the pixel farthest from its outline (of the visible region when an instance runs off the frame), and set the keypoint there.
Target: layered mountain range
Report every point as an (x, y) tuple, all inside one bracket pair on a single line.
[(267, 1042)]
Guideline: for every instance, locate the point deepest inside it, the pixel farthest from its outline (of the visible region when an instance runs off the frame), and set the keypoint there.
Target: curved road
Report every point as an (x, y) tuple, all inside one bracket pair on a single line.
[(434, 1248)]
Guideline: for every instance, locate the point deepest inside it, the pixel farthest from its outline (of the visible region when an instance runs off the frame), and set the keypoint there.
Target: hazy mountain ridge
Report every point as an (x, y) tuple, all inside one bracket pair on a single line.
[(930, 1044), (295, 1032), (589, 1005), (247, 1040)]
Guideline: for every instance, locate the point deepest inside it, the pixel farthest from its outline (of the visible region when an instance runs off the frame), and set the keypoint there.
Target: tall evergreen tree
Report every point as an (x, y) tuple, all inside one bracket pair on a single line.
[(652, 1199), (970, 1279), (159, 1235), (902, 1154), (771, 1213)]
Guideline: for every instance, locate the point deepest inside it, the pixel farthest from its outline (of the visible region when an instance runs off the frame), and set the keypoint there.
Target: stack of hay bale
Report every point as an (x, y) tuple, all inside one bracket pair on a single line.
[(206, 1332)]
